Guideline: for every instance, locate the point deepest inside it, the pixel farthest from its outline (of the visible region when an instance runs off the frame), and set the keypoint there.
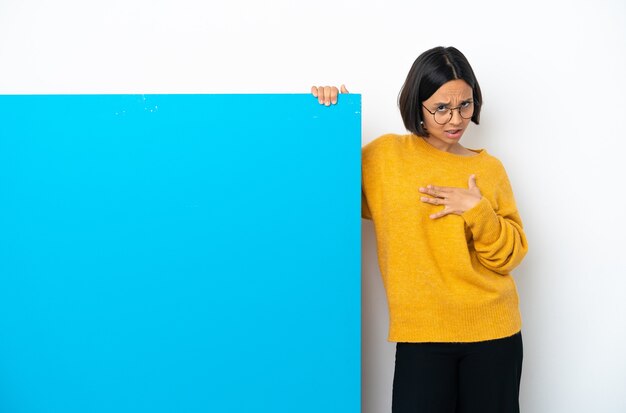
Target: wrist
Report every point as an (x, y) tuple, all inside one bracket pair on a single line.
[(472, 202)]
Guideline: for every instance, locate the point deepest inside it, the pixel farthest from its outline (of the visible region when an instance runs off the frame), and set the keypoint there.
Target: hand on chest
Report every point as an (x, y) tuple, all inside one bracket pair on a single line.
[(438, 195)]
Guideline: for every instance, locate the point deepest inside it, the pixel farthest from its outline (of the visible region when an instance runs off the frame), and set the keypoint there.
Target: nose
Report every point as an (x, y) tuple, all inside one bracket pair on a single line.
[(456, 118)]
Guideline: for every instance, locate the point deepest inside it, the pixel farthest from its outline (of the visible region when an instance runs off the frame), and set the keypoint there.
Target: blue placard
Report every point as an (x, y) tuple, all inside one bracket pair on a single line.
[(179, 253)]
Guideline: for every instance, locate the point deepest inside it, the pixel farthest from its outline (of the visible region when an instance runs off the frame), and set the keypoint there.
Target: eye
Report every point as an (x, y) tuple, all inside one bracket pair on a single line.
[(442, 108), (466, 104)]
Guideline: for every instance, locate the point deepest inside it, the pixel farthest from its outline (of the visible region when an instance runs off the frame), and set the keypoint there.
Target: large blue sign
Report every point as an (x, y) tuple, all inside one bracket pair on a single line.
[(179, 253)]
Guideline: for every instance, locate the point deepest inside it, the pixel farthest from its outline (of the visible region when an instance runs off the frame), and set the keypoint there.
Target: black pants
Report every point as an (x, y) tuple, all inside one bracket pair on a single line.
[(481, 377)]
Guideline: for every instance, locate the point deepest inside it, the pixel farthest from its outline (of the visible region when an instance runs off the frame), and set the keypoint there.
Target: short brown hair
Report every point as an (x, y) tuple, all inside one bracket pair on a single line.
[(429, 72)]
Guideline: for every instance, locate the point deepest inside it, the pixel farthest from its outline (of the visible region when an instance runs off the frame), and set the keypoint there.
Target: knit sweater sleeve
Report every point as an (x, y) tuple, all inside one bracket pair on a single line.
[(497, 231), (369, 172), (365, 209)]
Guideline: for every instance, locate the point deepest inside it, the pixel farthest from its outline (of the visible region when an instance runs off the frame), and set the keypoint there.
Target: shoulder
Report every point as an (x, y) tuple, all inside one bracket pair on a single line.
[(384, 144), (494, 167), (491, 161)]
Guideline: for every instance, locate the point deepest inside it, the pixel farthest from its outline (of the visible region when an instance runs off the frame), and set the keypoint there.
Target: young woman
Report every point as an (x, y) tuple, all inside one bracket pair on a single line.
[(448, 236)]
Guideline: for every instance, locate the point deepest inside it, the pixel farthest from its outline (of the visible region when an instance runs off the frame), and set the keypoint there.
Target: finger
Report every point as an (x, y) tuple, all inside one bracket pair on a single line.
[(333, 95), (440, 188), (434, 201), (314, 91), (434, 192), (327, 95), (320, 94), (440, 214), (343, 89)]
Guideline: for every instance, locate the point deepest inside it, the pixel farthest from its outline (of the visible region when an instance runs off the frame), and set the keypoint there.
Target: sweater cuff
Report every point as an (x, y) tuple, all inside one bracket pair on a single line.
[(483, 221)]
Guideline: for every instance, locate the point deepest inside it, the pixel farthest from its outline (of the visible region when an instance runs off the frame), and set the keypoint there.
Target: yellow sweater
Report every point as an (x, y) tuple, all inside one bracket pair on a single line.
[(448, 279)]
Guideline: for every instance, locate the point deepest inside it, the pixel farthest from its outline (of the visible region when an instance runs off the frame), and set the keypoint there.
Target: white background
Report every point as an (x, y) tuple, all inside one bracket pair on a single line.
[(553, 80)]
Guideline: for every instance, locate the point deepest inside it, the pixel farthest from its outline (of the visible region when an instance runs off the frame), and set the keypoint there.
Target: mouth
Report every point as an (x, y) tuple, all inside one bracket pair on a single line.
[(454, 133)]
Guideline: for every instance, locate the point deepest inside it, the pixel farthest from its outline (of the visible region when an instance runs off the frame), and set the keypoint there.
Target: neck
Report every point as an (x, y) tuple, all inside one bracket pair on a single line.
[(442, 146)]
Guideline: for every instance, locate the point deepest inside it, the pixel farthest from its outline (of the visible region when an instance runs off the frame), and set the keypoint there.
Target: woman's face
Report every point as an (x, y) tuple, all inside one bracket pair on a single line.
[(451, 95)]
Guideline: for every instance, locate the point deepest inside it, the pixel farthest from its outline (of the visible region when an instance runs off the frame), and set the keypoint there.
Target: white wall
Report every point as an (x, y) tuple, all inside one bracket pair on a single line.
[(553, 79)]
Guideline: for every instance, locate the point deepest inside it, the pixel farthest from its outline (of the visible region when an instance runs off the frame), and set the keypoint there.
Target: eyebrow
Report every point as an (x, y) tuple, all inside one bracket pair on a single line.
[(446, 104)]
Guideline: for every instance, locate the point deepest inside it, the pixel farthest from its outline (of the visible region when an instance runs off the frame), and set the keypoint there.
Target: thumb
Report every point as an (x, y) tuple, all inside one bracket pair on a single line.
[(343, 89), (471, 183)]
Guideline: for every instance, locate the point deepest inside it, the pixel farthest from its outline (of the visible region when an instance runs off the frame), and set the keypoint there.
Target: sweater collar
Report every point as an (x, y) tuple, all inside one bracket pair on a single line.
[(421, 142)]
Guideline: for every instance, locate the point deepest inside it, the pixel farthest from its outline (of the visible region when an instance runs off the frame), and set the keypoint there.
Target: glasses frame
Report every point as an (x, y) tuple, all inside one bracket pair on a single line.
[(451, 109)]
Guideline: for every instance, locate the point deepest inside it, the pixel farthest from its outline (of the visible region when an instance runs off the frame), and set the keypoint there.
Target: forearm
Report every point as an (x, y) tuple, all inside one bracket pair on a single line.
[(499, 241)]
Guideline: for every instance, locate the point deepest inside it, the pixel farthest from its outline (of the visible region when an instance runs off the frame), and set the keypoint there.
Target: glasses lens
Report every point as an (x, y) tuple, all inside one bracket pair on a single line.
[(442, 116), (467, 111)]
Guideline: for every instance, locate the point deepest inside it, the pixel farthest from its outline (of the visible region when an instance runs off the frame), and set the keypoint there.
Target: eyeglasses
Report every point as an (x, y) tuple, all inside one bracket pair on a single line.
[(443, 114)]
